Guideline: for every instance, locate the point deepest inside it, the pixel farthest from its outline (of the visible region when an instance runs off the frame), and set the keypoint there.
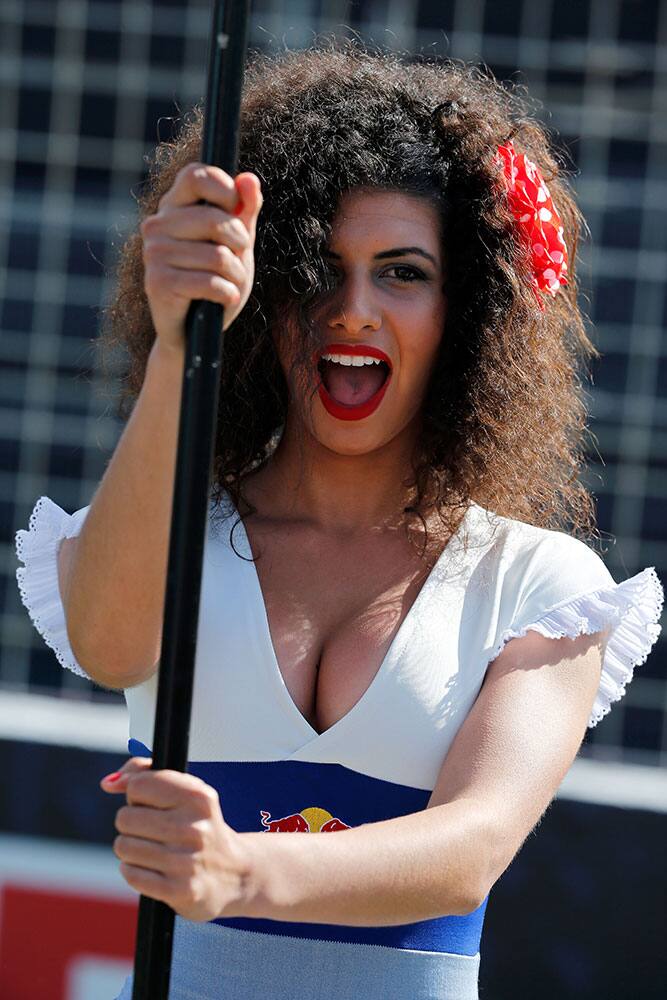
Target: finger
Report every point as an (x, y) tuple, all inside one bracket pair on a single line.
[(198, 285), (175, 828), (201, 222), (147, 822), (212, 257), (116, 781), (251, 200), (169, 789), (148, 854), (148, 883), (201, 182)]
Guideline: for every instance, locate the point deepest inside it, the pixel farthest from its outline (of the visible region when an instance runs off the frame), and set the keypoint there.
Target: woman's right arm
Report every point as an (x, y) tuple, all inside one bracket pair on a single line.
[(112, 576)]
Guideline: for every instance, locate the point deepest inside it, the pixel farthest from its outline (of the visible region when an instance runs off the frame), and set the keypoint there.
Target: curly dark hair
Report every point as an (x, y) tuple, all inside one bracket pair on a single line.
[(504, 414)]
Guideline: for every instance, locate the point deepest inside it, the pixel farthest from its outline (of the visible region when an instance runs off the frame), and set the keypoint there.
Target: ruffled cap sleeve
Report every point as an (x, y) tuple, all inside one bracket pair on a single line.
[(37, 579), (566, 590)]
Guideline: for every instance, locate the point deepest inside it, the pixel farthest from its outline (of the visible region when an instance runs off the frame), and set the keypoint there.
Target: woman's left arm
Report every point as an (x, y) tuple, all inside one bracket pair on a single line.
[(500, 774)]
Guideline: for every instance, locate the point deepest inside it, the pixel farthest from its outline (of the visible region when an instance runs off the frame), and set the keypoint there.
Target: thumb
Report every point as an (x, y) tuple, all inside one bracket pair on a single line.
[(249, 190), (117, 781)]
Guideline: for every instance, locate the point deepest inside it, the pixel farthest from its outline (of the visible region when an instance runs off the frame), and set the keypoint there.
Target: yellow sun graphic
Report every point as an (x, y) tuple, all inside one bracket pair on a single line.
[(315, 818)]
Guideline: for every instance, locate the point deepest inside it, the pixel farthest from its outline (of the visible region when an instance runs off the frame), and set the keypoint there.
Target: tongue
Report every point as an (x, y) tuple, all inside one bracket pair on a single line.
[(352, 385)]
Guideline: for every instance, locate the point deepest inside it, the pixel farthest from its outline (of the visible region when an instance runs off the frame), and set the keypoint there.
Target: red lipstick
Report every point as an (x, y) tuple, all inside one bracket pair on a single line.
[(344, 411)]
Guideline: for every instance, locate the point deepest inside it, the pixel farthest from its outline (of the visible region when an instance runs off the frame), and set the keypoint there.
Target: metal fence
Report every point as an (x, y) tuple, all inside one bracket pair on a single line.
[(88, 88)]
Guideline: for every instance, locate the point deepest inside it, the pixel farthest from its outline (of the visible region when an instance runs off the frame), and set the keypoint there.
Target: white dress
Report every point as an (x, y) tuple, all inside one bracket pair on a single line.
[(496, 579)]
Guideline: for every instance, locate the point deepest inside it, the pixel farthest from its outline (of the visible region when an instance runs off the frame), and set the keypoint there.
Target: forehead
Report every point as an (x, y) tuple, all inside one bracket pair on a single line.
[(385, 214)]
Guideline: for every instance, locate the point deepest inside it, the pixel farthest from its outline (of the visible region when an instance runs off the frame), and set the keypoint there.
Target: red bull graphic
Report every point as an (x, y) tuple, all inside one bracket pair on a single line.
[(311, 820), (287, 824)]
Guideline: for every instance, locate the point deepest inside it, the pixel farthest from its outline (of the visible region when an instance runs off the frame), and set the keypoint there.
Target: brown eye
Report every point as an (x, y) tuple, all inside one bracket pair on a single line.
[(407, 274)]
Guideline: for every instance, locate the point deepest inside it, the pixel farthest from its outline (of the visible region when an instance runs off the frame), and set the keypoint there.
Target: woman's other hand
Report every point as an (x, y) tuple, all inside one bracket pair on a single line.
[(173, 843), (200, 251)]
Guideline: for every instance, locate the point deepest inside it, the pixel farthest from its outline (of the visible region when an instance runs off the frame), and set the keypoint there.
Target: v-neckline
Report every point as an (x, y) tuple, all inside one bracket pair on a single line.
[(390, 659)]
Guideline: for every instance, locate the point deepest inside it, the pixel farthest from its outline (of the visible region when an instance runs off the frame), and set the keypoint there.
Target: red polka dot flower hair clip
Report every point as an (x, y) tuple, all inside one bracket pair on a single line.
[(537, 218)]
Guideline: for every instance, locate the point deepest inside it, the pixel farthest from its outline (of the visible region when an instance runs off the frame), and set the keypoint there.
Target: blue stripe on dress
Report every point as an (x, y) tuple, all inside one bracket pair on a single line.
[(300, 796)]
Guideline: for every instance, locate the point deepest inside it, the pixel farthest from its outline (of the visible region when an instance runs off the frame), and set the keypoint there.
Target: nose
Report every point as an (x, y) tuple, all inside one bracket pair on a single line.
[(354, 308)]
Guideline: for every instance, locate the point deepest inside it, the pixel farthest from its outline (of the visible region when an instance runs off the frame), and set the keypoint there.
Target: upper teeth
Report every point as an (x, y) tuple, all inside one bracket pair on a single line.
[(351, 359)]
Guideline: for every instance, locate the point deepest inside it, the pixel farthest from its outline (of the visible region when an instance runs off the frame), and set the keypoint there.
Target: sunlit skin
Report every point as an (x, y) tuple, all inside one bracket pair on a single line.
[(349, 475)]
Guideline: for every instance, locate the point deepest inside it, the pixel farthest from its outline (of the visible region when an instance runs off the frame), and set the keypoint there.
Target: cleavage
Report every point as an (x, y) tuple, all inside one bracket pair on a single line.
[(332, 617)]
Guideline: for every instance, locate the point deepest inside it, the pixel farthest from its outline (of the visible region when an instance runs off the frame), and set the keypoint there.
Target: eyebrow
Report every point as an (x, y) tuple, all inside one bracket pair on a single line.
[(395, 252)]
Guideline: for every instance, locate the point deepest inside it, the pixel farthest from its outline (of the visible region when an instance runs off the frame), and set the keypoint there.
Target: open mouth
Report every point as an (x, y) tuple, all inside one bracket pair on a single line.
[(353, 379)]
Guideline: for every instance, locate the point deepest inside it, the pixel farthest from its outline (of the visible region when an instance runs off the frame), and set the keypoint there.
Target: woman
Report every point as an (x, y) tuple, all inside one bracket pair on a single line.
[(400, 431)]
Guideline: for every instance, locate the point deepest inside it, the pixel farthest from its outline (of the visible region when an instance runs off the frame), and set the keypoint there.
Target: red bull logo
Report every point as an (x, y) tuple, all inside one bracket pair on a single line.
[(311, 820)]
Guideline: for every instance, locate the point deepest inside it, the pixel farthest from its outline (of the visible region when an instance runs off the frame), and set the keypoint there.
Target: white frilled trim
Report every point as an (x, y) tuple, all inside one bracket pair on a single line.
[(632, 607), (38, 579)]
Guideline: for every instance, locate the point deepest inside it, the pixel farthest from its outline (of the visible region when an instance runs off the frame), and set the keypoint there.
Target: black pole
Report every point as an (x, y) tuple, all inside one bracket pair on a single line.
[(196, 439)]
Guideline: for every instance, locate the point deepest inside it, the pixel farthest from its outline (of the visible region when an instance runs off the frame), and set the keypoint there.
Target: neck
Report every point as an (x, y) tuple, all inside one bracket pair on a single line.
[(336, 493)]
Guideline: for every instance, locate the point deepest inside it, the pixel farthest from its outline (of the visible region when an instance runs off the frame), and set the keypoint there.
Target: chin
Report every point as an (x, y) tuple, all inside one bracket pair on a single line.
[(345, 447), (355, 437), (351, 438)]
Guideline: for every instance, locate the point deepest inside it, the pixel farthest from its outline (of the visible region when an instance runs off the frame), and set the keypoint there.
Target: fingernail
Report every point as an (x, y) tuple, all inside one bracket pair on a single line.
[(112, 777)]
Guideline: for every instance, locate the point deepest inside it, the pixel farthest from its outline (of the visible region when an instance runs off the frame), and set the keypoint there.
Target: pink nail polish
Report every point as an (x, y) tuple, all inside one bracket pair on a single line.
[(112, 777)]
